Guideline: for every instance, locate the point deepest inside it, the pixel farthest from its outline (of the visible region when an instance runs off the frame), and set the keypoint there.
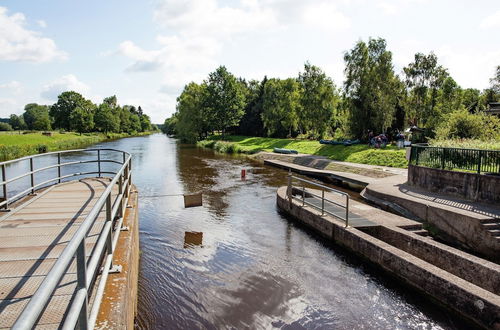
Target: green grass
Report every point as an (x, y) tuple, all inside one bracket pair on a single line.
[(467, 143), (361, 153), (15, 145)]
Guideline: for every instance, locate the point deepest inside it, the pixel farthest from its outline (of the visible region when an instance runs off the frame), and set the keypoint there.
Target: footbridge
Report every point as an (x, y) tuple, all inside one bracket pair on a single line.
[(61, 215)]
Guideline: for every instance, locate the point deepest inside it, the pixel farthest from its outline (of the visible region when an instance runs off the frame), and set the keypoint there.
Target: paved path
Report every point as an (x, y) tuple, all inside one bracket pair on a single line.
[(33, 235)]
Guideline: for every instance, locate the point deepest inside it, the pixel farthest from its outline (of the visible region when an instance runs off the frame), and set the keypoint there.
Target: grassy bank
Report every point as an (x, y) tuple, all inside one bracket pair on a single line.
[(390, 156), (14, 145)]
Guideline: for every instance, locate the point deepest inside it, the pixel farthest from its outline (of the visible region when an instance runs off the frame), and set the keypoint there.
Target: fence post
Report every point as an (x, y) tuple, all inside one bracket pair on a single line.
[(4, 178), (99, 161), (59, 166), (479, 161), (443, 157), (32, 177)]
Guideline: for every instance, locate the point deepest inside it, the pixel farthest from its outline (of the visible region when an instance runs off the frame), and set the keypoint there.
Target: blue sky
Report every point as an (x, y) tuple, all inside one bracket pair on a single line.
[(146, 51)]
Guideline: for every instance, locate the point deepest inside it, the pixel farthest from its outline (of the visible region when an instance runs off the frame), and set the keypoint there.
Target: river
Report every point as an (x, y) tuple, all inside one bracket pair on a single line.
[(237, 263)]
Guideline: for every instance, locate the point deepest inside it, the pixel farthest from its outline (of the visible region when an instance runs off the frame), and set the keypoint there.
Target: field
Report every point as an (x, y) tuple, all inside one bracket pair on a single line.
[(361, 153), (15, 145)]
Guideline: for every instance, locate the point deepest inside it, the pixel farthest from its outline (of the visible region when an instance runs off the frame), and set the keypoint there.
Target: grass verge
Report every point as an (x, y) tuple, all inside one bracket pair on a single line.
[(361, 153), (18, 145)]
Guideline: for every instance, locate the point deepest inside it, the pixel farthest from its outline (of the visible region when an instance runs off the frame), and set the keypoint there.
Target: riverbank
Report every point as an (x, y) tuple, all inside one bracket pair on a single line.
[(18, 145), (360, 153)]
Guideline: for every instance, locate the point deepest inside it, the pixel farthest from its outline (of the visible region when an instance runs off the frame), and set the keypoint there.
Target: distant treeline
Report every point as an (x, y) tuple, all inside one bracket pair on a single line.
[(373, 97), (72, 112)]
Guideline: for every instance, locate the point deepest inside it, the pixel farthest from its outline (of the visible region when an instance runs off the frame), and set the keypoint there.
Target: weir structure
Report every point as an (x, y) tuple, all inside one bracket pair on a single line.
[(58, 238)]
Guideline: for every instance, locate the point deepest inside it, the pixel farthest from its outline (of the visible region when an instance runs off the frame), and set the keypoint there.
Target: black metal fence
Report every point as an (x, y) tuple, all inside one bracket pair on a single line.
[(471, 160)]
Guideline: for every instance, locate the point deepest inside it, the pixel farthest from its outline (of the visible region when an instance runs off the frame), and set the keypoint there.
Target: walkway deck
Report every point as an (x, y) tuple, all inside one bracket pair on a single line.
[(33, 235)]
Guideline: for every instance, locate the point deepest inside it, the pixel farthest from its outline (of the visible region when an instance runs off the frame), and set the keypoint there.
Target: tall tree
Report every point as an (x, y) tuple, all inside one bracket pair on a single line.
[(423, 78), (319, 99), (37, 117), (281, 105), (82, 120), (191, 121), (224, 99), (66, 103), (369, 87), (17, 122), (251, 122), (105, 120)]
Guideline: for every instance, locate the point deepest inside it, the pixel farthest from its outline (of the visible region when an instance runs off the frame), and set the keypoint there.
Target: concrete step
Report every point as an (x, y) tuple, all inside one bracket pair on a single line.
[(491, 226), (495, 232)]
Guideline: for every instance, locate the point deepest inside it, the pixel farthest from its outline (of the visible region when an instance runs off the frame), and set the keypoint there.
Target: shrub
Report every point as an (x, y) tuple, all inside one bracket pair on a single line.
[(463, 125), (5, 127)]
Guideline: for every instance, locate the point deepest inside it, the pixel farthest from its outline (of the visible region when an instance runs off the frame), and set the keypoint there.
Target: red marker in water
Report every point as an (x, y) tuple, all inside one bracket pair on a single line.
[(243, 173)]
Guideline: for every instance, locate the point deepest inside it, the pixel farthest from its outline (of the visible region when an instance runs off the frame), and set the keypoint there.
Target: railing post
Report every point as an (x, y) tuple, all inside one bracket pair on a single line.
[(109, 240), (123, 162), (81, 269), (479, 161), (4, 178), (32, 177), (59, 166), (346, 211), (322, 202), (120, 193), (99, 162), (443, 157)]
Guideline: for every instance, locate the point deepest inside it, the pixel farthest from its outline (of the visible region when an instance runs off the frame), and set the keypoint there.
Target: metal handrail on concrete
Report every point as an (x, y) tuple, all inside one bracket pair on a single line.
[(322, 197), (78, 313)]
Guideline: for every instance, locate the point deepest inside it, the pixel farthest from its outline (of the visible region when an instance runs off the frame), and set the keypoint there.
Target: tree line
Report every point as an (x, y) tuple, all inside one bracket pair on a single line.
[(373, 97), (73, 112)]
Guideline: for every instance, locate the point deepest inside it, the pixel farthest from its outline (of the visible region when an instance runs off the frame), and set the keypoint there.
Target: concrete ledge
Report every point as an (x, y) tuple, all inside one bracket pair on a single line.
[(476, 303), (119, 304)]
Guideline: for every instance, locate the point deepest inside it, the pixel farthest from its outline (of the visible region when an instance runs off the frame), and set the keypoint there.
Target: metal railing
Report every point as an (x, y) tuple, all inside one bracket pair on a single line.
[(473, 160), (79, 314), (304, 193)]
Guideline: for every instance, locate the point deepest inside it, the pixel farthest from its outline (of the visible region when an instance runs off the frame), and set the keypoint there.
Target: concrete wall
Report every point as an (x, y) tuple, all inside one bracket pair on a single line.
[(472, 186), (473, 269), (119, 304), (476, 303), (462, 229)]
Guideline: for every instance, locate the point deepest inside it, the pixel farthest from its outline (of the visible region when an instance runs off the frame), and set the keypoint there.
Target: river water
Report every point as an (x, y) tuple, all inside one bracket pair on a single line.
[(237, 263)]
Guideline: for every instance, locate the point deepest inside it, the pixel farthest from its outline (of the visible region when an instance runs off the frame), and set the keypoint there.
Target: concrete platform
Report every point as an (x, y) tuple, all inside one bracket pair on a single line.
[(33, 235)]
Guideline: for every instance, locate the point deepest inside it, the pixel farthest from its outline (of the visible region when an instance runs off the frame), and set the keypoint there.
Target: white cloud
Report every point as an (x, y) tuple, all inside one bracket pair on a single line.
[(41, 23), (13, 86), (325, 15), (492, 21), (388, 8), (19, 44), (65, 83), (205, 17), (8, 106)]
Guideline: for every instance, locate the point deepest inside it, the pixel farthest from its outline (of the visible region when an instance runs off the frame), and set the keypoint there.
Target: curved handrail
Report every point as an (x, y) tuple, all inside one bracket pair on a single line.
[(5, 181), (78, 311)]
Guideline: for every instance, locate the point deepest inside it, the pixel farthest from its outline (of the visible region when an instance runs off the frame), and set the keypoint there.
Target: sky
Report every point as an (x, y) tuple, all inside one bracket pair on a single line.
[(145, 52)]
